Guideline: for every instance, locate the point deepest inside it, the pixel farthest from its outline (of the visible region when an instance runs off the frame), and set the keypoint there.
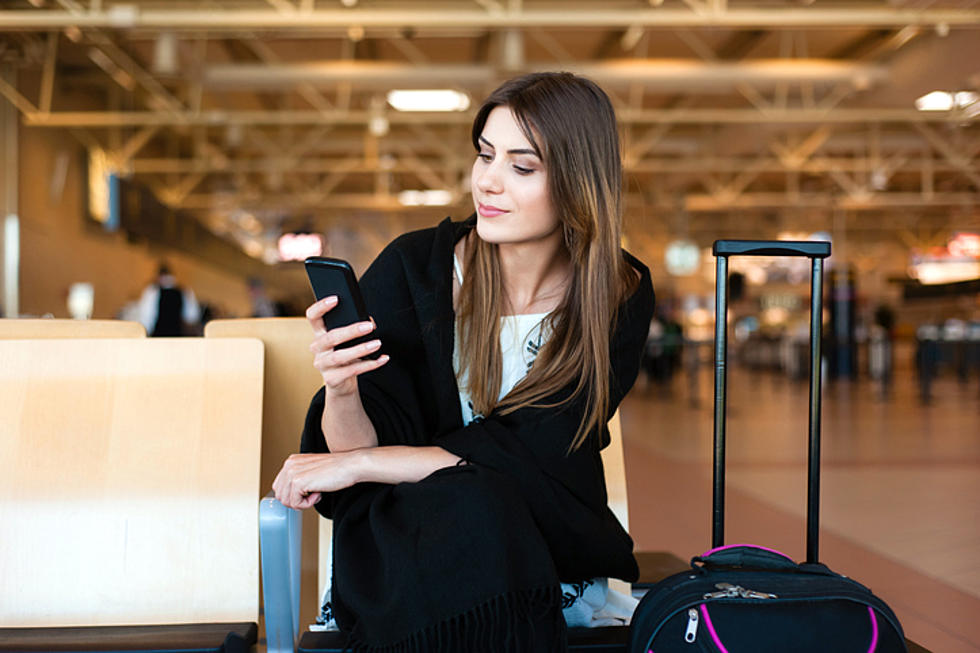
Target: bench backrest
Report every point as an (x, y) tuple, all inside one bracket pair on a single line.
[(129, 469), (57, 328), (615, 468), (290, 381)]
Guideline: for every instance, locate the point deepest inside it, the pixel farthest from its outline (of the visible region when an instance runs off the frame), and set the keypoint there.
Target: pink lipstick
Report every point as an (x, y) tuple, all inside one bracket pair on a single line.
[(489, 211)]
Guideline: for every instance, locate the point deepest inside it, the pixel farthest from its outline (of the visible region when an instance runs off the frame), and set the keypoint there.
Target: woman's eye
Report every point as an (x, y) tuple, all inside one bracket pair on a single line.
[(483, 156), (523, 171)]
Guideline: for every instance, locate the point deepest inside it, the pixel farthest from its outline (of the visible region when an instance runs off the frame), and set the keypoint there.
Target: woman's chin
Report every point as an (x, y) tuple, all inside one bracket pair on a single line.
[(489, 230)]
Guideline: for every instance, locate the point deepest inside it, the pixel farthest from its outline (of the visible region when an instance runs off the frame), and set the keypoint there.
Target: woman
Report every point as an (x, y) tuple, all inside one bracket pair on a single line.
[(463, 475)]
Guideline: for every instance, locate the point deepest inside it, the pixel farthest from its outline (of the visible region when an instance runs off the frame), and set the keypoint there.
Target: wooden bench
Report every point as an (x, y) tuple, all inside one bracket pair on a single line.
[(128, 474)]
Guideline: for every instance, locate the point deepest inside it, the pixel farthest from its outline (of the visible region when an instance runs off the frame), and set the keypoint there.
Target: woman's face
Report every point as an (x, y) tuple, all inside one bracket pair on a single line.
[(510, 185)]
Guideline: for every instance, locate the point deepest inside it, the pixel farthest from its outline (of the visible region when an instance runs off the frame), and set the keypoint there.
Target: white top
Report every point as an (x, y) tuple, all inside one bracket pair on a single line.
[(521, 338)]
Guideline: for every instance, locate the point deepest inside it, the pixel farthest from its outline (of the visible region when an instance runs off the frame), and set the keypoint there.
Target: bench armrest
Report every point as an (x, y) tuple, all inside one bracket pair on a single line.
[(280, 538)]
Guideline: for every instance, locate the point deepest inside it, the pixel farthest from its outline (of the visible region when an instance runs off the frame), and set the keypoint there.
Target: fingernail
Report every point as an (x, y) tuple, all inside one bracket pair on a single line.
[(331, 299), (383, 358), (364, 327), (374, 344)]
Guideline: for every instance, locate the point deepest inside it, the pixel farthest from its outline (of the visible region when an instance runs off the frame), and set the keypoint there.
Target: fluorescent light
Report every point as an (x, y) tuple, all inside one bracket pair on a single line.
[(935, 101), (946, 101), (425, 197), (429, 100)]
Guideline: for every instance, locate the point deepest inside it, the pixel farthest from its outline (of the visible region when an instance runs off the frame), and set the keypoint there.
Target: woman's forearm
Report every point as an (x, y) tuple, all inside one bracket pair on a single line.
[(305, 477), (401, 464), (345, 424)]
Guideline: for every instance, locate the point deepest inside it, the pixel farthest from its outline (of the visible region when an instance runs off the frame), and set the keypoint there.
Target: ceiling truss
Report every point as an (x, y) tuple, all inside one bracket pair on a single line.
[(726, 107)]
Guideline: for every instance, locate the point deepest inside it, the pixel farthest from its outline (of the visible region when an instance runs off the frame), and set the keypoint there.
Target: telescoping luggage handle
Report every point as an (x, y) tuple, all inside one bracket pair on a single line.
[(816, 251)]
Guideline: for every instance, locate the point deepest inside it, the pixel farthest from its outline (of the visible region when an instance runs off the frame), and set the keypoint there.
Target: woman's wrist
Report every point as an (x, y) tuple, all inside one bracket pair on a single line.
[(351, 466), (344, 423)]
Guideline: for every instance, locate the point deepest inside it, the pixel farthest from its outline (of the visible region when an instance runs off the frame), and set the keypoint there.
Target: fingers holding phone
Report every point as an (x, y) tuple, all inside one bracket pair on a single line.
[(340, 365), (316, 311), (342, 345)]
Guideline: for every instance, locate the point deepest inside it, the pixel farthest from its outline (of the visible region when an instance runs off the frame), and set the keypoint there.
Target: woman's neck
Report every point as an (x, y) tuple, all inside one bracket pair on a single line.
[(534, 275)]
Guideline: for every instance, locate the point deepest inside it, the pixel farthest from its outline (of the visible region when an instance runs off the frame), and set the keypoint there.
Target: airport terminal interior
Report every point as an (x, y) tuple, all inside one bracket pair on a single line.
[(230, 139)]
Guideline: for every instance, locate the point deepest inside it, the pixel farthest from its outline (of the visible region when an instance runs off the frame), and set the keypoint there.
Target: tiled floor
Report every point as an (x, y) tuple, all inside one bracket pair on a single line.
[(900, 497)]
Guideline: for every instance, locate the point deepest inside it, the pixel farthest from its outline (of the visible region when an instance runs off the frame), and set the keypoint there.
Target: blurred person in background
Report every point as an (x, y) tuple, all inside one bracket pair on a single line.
[(166, 309), (881, 349), (262, 306)]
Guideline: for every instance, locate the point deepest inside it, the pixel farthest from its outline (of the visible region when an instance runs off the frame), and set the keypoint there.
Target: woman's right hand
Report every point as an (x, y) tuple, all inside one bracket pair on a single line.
[(340, 367)]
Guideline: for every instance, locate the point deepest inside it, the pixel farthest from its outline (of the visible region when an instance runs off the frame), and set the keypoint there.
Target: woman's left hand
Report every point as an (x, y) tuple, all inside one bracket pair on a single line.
[(305, 476)]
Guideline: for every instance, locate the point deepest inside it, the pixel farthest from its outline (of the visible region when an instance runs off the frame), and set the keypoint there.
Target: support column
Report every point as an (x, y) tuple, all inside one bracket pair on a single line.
[(10, 235)]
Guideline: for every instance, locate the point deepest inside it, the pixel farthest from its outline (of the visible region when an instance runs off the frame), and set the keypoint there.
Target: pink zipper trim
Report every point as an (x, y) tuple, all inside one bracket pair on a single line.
[(874, 630), (753, 546), (711, 629)]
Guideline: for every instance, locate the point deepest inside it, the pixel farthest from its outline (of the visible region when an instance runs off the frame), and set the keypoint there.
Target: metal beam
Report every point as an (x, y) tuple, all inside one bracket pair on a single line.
[(13, 95), (218, 117), (878, 201), (711, 76), (47, 73), (299, 163), (271, 60), (950, 153), (158, 92), (451, 15), (694, 203), (123, 156), (793, 157)]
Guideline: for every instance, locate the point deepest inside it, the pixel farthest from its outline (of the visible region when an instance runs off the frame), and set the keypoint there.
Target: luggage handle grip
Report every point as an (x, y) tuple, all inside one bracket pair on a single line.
[(810, 249)]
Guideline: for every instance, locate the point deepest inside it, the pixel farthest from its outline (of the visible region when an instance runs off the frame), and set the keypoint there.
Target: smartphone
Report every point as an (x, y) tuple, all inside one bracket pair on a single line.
[(333, 276)]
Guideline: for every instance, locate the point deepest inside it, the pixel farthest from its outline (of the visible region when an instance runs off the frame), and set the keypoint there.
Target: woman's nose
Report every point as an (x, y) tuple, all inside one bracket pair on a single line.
[(488, 180)]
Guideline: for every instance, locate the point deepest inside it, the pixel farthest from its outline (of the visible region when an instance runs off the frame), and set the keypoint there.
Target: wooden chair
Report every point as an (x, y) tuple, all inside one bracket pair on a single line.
[(128, 474), (19, 328)]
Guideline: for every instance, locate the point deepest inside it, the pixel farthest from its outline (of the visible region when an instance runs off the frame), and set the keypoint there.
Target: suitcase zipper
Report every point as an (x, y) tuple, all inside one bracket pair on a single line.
[(729, 591), (692, 626), (673, 597)]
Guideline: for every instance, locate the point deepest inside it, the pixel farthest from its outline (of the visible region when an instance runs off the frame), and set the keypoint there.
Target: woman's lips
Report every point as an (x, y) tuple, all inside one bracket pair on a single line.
[(489, 211)]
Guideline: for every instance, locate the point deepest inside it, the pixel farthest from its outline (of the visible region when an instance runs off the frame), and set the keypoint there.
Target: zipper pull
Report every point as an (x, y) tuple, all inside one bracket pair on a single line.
[(692, 626), (752, 594)]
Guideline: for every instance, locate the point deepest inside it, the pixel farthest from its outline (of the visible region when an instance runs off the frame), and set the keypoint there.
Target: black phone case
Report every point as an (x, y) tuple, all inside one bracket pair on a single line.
[(331, 276)]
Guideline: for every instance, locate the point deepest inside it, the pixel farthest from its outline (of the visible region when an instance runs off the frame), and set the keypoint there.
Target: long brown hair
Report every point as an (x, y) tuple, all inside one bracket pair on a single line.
[(571, 125)]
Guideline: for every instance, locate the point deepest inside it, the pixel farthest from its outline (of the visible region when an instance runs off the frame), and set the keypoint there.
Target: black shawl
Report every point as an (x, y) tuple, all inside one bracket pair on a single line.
[(470, 557)]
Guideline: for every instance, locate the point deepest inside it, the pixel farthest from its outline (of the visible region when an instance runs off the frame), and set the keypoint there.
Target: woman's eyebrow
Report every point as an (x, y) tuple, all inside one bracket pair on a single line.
[(514, 151)]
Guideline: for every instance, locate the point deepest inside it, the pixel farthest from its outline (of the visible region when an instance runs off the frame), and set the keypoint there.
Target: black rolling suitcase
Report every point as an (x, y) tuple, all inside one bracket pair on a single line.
[(750, 599)]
